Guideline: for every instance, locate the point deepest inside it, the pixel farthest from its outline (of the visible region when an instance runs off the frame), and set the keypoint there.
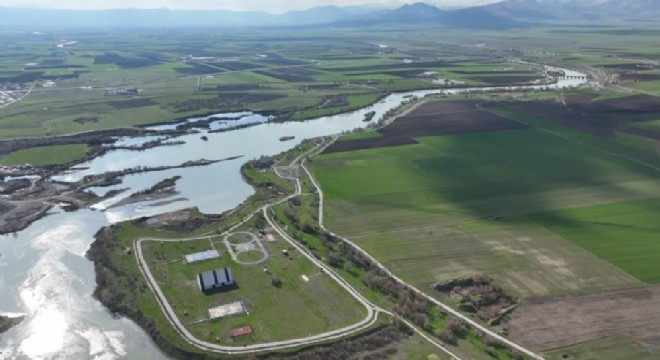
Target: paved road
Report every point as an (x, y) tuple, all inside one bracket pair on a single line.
[(369, 320), (399, 280)]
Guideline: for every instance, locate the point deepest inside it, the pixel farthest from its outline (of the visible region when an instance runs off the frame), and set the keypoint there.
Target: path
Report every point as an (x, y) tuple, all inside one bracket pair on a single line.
[(369, 320), (443, 306), (17, 99)]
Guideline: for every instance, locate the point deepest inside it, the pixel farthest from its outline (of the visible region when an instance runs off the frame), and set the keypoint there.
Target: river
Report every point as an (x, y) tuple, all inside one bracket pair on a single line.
[(45, 274)]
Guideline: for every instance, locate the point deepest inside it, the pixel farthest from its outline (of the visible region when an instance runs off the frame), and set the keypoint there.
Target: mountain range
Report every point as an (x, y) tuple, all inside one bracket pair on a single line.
[(581, 10), (502, 15)]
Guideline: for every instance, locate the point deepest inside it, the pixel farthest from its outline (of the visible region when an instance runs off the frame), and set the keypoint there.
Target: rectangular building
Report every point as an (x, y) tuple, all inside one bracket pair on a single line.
[(204, 255), (244, 330), (225, 310), (215, 279)]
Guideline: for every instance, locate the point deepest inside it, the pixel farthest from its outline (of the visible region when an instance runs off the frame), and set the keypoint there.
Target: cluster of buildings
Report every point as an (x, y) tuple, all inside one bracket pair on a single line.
[(10, 93), (218, 279)]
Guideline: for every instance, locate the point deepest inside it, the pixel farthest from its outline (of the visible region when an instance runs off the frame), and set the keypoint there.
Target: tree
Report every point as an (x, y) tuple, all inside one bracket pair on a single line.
[(335, 260), (457, 326), (446, 336), (275, 281)]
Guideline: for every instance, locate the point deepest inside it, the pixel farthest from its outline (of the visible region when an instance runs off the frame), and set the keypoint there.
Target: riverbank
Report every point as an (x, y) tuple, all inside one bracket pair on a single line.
[(208, 195), (35, 198), (36, 154), (7, 322), (122, 289)]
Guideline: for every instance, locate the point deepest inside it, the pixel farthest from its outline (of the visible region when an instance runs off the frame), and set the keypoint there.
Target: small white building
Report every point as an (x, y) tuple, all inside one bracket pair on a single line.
[(215, 279)]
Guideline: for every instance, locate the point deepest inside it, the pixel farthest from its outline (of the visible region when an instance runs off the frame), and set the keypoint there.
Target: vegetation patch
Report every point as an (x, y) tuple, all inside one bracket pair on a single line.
[(478, 294), (46, 155), (129, 62), (504, 80), (132, 103)]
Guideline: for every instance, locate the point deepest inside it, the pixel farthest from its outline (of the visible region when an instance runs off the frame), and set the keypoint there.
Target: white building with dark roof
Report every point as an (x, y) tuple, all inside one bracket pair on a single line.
[(215, 279)]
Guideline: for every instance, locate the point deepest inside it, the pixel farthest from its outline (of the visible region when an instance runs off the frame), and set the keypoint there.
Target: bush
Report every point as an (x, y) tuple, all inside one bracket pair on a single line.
[(457, 327), (446, 336), (275, 281)]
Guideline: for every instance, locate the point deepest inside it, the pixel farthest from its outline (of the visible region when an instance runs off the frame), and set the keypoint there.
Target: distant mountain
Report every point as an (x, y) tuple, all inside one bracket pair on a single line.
[(167, 18), (353, 16), (480, 18), (422, 13), (548, 10), (502, 15), (414, 12)]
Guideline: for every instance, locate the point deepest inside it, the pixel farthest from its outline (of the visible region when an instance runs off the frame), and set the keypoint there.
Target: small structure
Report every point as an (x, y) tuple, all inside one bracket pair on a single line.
[(243, 330), (264, 162), (122, 92), (215, 279), (204, 255), (270, 237), (225, 310)]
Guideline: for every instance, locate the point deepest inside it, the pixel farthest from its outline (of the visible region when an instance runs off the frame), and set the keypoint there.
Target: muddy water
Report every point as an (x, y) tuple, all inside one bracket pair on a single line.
[(43, 271)]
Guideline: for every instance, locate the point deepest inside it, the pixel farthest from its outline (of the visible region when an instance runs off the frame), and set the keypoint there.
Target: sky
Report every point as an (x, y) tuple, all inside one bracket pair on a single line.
[(273, 6)]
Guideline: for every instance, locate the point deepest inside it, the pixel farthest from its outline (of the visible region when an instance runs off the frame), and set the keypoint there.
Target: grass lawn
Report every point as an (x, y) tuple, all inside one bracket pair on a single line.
[(296, 309), (625, 234), (46, 155), (416, 348)]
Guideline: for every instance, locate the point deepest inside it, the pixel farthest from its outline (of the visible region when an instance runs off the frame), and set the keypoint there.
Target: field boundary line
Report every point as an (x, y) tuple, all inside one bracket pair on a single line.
[(440, 304), (368, 321), (579, 142)]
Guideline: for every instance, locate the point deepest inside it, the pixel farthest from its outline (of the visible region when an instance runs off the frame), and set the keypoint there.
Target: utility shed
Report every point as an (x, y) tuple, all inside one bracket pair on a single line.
[(244, 330), (215, 279)]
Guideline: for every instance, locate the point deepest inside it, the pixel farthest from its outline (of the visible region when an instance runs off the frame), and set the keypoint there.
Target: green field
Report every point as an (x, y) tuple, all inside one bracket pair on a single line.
[(360, 135), (470, 169), (295, 80), (611, 348), (423, 209), (47, 155), (625, 234)]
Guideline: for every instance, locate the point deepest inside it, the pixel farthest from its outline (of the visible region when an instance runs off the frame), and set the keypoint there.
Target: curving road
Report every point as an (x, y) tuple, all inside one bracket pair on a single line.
[(369, 320), (400, 281)]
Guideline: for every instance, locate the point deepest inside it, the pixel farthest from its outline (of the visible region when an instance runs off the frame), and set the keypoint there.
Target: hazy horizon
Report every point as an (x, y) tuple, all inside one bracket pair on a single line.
[(272, 6)]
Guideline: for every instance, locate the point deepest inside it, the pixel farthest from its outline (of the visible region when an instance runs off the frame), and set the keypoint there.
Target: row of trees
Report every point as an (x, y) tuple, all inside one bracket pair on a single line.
[(378, 344)]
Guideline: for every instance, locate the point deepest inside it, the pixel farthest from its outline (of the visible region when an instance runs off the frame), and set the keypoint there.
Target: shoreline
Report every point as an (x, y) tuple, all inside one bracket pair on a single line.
[(109, 275), (27, 205)]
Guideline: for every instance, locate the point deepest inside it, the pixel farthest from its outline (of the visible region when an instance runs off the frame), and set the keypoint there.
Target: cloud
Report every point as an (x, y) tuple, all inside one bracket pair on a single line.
[(275, 6)]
